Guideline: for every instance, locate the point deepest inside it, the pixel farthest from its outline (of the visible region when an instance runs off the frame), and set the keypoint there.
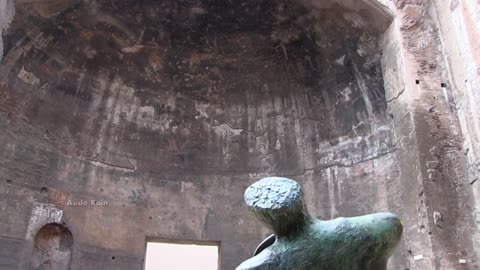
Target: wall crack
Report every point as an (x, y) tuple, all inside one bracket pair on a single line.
[(397, 96)]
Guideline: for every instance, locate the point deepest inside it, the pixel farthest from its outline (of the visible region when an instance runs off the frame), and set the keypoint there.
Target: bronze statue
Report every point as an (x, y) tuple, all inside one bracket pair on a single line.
[(302, 242)]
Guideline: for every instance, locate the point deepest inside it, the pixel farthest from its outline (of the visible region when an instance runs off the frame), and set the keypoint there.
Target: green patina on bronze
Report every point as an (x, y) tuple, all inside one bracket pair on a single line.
[(306, 243)]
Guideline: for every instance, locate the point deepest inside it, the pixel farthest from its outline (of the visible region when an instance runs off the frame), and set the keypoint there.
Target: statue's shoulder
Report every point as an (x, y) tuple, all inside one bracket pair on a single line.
[(336, 225), (361, 226), (384, 227), (333, 232)]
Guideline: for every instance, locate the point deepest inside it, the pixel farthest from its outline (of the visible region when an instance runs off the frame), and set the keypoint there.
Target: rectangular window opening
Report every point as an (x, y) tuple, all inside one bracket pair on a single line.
[(182, 255)]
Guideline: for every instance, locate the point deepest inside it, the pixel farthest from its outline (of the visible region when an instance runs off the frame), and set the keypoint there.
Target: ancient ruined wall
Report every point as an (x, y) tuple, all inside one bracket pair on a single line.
[(437, 192), (460, 36), (164, 116)]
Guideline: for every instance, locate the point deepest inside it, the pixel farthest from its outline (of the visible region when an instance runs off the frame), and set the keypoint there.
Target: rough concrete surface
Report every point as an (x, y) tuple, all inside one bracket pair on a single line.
[(163, 112)]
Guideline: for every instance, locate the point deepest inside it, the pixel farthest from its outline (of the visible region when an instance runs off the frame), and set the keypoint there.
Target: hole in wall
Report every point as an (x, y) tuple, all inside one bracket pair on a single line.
[(182, 256), (52, 247)]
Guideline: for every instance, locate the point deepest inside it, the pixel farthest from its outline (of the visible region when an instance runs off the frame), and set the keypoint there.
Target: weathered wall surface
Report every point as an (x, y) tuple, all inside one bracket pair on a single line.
[(458, 23), (440, 232), (167, 113)]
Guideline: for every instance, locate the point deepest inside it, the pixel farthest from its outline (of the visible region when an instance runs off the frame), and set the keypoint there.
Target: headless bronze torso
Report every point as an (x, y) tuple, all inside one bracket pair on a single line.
[(303, 242)]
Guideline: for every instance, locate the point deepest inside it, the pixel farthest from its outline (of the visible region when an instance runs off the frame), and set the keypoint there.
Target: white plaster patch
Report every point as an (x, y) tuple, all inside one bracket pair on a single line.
[(90, 53), (42, 214), (145, 117), (147, 112), (202, 110), (225, 129), (418, 257), (28, 77), (330, 175), (361, 52), (278, 145), (263, 150), (346, 94), (186, 186), (132, 49), (341, 60)]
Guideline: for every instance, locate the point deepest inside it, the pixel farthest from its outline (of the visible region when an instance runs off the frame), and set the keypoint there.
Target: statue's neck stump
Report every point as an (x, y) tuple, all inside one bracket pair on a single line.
[(278, 203)]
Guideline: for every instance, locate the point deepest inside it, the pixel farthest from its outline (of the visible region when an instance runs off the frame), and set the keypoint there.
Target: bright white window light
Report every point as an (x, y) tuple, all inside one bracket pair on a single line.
[(168, 256)]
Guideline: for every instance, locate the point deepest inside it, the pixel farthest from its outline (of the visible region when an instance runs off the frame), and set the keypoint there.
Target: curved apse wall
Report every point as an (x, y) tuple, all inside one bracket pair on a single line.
[(164, 112)]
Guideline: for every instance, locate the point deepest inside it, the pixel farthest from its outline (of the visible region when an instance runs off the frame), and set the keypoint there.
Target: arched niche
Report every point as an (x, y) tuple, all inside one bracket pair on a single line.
[(52, 248)]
